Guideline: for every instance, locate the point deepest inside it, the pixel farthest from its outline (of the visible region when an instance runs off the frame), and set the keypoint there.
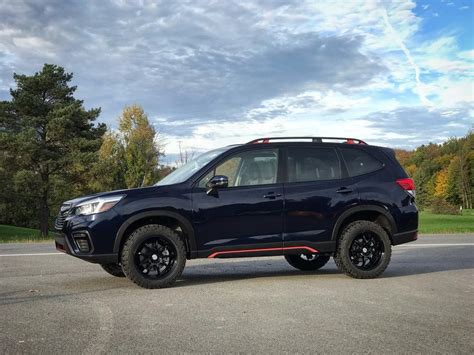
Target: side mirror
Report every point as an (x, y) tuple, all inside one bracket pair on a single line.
[(217, 182)]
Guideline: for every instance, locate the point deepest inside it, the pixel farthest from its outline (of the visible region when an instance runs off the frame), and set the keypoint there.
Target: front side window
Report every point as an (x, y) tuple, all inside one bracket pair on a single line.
[(359, 162), (187, 170), (257, 167), (312, 164)]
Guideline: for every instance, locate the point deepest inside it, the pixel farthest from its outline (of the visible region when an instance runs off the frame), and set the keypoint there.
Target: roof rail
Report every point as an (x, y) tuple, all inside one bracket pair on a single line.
[(312, 139)]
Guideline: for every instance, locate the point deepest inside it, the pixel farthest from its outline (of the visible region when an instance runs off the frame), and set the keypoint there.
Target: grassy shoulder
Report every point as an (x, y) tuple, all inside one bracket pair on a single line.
[(12, 234), (445, 223), (430, 223)]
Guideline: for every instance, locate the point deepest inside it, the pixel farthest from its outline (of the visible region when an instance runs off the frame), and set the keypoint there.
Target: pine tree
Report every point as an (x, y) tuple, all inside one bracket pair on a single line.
[(49, 133)]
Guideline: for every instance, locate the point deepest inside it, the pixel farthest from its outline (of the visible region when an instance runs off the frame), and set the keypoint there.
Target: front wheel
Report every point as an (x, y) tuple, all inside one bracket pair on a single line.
[(307, 262), (364, 250), (153, 256)]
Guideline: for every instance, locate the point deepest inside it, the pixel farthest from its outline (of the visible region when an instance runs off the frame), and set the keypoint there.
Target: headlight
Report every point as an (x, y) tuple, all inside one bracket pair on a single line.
[(97, 205)]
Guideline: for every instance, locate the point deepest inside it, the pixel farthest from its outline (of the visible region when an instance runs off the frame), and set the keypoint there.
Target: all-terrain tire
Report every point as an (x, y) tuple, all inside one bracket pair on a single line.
[(136, 239), (113, 269), (343, 254), (298, 262)]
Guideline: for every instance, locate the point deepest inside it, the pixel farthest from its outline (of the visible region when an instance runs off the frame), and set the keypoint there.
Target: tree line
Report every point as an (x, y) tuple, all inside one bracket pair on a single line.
[(52, 149), (443, 173)]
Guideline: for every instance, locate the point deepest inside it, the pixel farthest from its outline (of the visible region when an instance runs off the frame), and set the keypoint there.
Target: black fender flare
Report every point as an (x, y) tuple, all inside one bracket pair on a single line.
[(188, 228), (361, 208)]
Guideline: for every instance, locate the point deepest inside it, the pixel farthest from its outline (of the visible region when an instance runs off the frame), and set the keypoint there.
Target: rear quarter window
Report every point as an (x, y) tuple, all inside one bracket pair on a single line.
[(359, 162)]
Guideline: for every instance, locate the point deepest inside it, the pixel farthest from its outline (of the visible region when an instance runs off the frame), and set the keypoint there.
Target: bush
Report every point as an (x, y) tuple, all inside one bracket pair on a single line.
[(440, 206)]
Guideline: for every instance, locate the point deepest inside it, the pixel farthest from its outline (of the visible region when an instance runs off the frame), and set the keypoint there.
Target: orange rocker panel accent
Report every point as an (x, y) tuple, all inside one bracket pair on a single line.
[(213, 255)]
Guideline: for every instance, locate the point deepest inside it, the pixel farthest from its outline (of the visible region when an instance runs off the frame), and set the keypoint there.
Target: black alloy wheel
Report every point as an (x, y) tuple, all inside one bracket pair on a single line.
[(153, 256), (364, 250)]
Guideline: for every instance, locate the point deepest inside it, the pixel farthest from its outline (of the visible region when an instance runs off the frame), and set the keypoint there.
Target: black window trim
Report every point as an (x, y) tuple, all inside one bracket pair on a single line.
[(282, 176)]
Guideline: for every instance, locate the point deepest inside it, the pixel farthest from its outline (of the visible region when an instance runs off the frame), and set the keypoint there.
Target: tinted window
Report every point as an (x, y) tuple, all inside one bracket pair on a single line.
[(313, 164), (258, 167), (186, 171), (359, 162)]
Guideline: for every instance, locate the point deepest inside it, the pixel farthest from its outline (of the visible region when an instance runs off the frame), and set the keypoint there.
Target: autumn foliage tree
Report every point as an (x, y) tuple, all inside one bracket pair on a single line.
[(108, 173), (441, 183), (129, 157), (442, 172)]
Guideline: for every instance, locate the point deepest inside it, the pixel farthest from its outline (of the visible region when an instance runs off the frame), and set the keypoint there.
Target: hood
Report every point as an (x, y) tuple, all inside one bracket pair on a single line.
[(76, 201)]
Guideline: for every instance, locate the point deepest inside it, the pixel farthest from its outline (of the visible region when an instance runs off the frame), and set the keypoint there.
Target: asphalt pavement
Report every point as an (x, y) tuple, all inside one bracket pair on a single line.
[(53, 303)]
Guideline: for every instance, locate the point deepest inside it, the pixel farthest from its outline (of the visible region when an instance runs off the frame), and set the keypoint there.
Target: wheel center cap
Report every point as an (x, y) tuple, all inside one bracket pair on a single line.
[(154, 257), (364, 250)]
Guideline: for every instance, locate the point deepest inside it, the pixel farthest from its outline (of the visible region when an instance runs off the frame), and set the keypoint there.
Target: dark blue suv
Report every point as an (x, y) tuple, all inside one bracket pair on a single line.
[(306, 198)]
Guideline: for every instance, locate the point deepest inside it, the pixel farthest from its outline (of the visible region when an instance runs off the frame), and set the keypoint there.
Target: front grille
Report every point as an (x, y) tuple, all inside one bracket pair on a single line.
[(64, 211)]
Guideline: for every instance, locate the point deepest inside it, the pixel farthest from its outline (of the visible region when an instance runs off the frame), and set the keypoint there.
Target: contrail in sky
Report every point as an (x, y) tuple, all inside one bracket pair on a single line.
[(419, 90)]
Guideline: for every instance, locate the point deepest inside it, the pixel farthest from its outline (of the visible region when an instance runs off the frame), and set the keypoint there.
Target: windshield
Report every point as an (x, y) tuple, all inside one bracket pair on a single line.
[(187, 170)]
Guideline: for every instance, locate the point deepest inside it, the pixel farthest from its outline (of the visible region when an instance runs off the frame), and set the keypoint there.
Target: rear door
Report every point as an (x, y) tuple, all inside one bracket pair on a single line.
[(317, 190)]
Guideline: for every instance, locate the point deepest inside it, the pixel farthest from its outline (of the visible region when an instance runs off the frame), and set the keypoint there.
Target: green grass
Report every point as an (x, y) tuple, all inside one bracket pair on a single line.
[(11, 234), (444, 223)]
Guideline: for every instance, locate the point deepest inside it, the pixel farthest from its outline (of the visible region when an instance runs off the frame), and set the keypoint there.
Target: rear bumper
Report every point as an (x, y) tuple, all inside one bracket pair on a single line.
[(64, 245), (405, 237)]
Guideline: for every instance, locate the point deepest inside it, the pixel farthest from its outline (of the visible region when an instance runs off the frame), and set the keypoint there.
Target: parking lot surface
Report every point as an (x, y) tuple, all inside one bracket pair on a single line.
[(424, 302)]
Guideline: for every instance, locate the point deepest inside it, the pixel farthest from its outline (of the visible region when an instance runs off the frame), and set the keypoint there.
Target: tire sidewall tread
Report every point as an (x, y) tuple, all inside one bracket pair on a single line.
[(140, 235), (114, 269), (342, 258), (305, 265)]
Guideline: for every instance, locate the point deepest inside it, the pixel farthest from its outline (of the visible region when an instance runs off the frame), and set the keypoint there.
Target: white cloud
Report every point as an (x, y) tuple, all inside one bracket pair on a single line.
[(451, 92), (466, 55), (450, 71), (214, 73), (34, 43), (227, 133)]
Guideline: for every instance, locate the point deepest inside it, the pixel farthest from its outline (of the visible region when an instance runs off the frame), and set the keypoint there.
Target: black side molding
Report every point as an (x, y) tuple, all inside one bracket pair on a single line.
[(159, 213), (405, 237), (361, 208)]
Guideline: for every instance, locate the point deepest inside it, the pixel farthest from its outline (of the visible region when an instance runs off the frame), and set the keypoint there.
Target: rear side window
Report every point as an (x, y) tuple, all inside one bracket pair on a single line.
[(359, 162), (312, 164)]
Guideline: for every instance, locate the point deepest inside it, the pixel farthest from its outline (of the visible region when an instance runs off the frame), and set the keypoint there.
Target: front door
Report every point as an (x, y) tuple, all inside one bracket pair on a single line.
[(244, 218)]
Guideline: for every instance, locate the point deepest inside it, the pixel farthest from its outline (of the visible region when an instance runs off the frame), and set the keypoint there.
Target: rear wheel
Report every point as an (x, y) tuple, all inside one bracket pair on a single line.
[(153, 256), (364, 250), (114, 269), (307, 262)]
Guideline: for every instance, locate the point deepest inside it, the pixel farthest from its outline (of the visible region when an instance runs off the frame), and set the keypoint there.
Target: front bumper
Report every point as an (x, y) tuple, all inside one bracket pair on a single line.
[(89, 237), (67, 245)]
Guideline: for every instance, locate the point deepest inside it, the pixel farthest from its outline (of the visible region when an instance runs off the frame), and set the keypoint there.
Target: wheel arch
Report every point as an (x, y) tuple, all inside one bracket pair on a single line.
[(372, 213), (170, 219)]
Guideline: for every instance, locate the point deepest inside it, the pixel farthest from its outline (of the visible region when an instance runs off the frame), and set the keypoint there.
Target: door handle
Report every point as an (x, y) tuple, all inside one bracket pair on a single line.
[(271, 195), (344, 190)]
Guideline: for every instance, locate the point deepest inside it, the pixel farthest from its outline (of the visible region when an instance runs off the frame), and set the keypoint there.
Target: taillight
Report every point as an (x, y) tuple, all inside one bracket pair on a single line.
[(407, 184)]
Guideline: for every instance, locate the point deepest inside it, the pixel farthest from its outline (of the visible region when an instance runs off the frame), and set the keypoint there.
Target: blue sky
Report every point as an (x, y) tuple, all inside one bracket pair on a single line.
[(212, 73)]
